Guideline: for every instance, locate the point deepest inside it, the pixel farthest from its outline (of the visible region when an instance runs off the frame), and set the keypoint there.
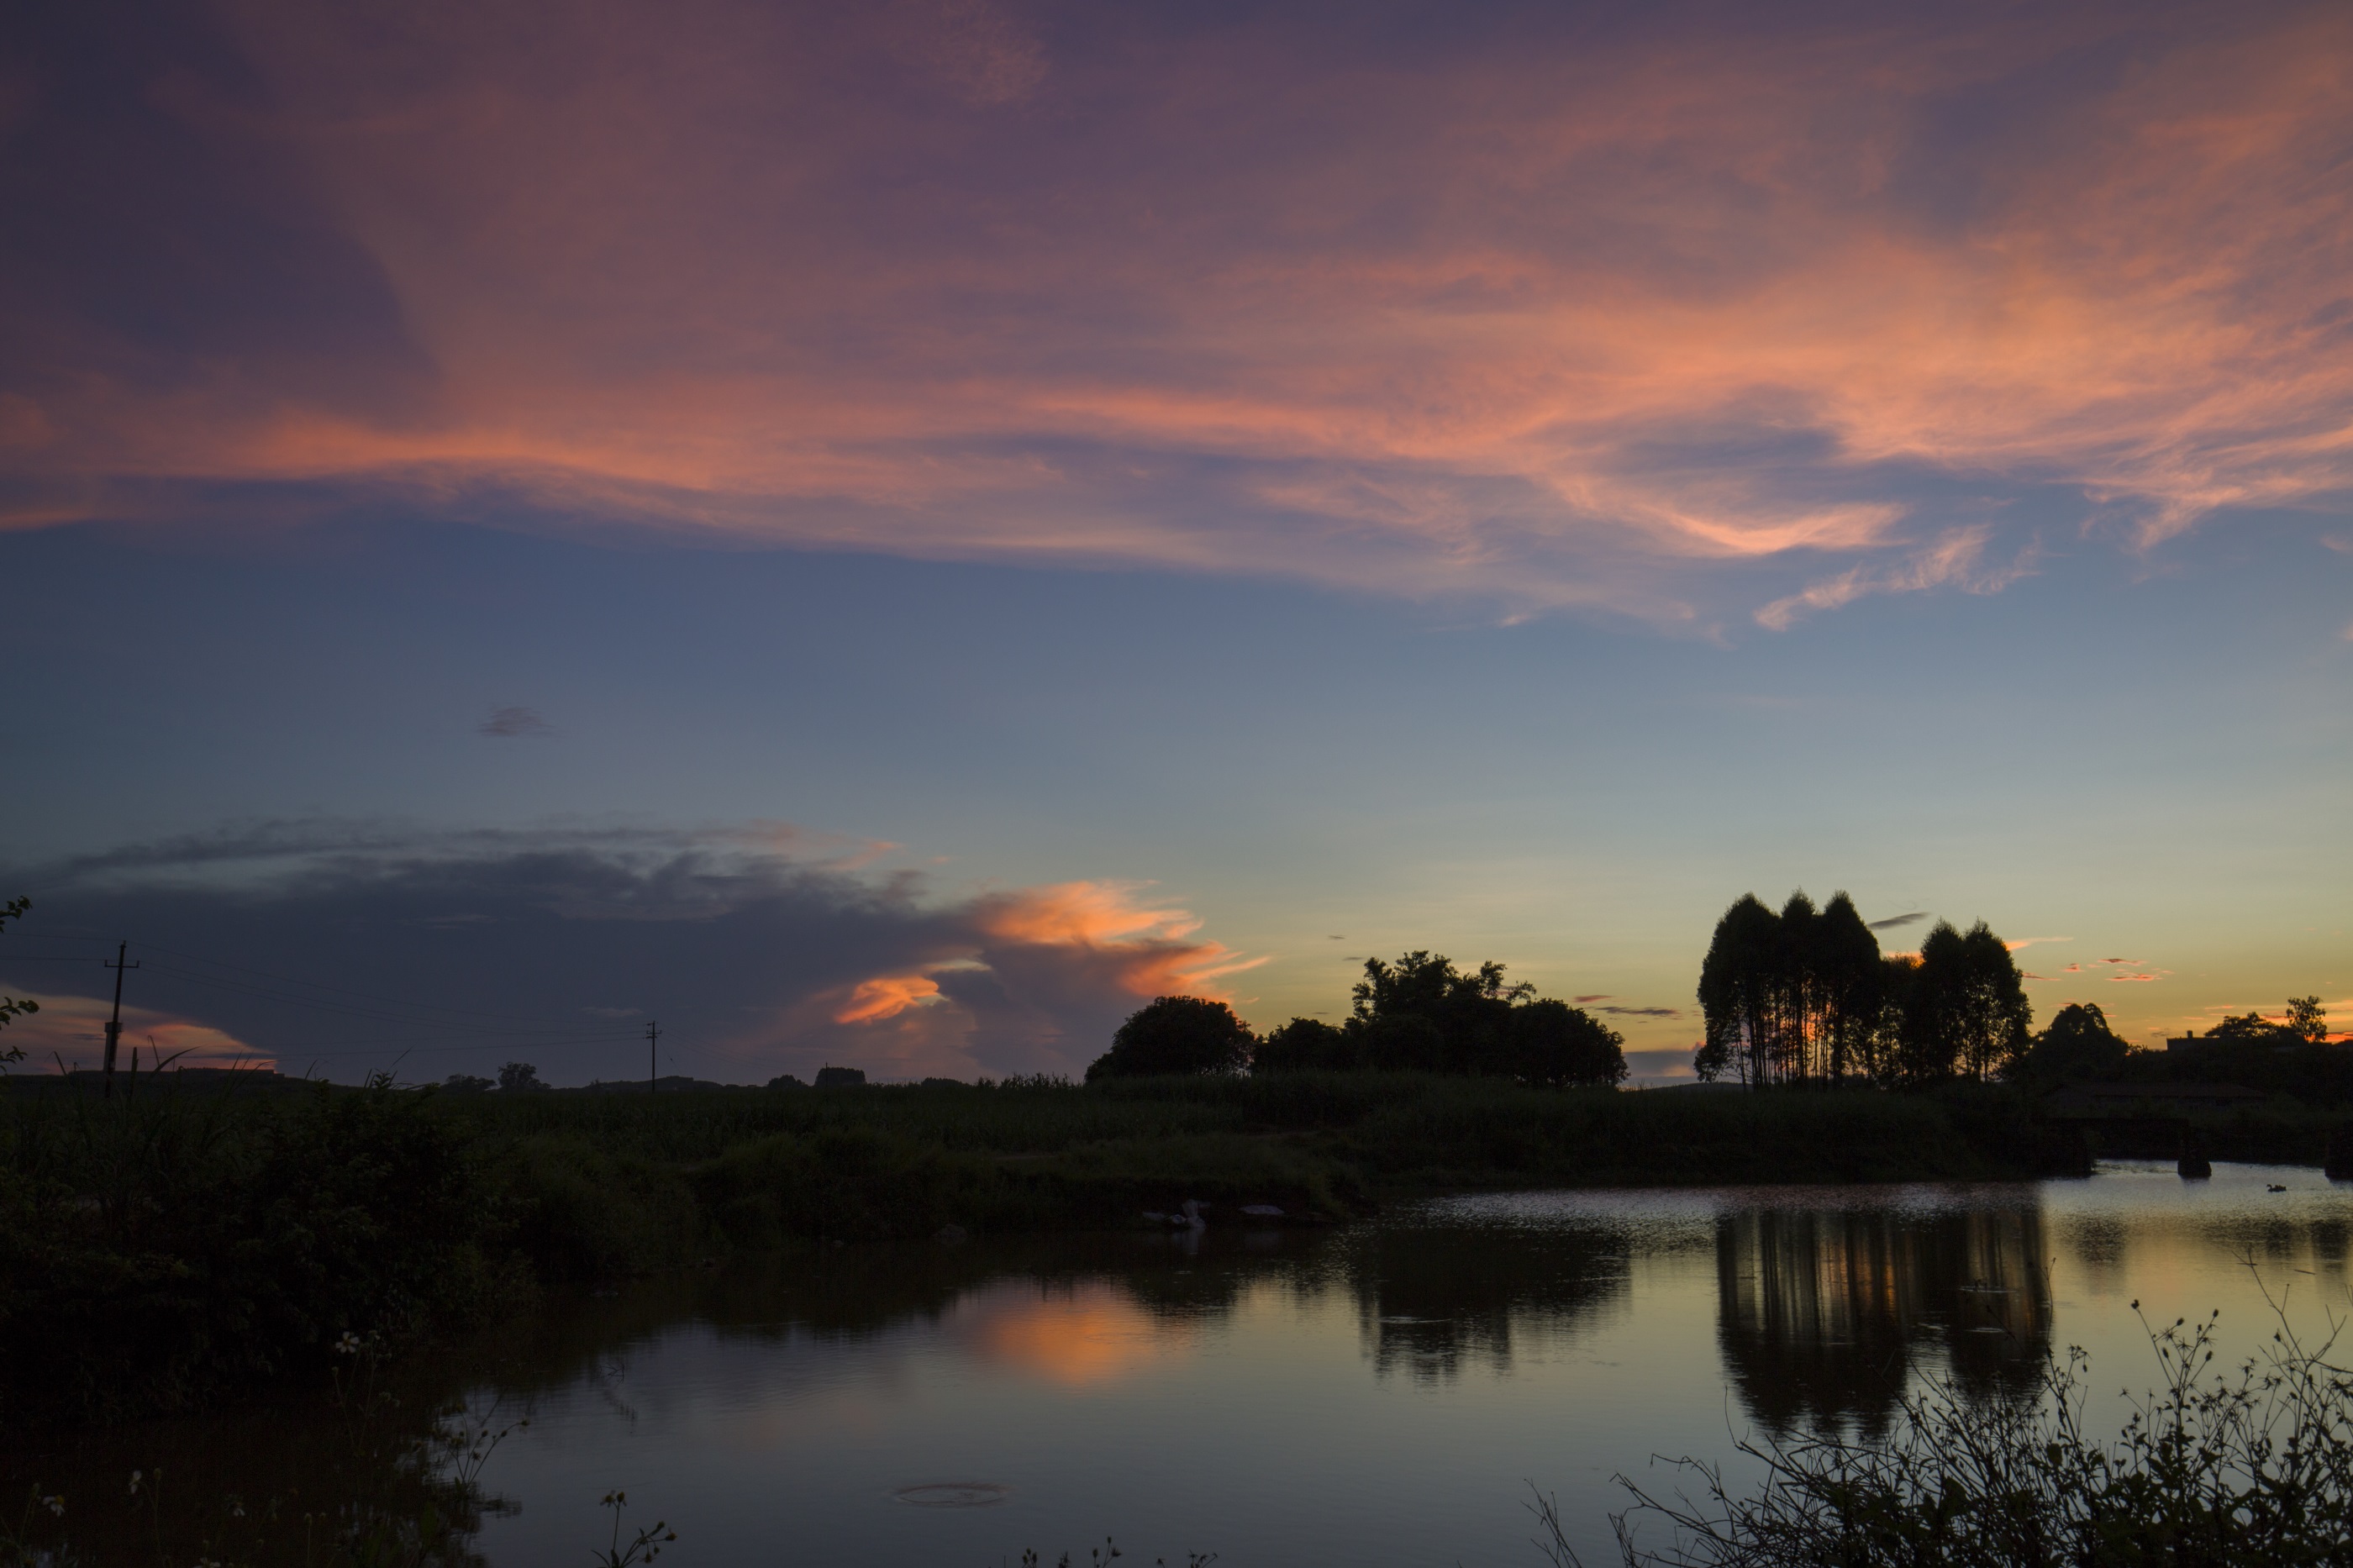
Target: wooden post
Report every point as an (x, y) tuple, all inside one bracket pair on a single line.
[(2193, 1164)]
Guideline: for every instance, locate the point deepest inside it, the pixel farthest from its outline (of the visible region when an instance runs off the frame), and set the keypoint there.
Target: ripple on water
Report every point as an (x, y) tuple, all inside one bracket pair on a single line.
[(953, 1494)]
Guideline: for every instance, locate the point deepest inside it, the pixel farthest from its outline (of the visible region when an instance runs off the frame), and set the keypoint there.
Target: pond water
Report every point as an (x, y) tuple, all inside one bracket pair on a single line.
[(1383, 1393)]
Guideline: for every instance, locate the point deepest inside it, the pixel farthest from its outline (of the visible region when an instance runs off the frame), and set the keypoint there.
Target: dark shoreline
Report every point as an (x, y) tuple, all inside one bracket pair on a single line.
[(171, 1250)]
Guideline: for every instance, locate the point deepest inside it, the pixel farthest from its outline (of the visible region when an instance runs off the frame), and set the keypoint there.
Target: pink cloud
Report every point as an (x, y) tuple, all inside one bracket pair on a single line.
[(945, 281)]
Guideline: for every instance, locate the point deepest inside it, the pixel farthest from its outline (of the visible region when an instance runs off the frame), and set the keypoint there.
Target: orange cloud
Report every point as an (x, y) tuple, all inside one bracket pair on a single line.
[(886, 996), (1556, 325), (73, 1030), (1148, 947), (1030, 979)]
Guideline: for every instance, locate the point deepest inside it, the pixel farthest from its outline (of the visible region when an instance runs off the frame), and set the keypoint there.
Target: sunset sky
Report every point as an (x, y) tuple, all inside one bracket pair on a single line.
[(892, 534)]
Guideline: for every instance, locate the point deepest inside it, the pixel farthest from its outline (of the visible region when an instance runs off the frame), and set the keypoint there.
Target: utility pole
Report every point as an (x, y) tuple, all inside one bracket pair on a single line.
[(653, 1032), (114, 1025)]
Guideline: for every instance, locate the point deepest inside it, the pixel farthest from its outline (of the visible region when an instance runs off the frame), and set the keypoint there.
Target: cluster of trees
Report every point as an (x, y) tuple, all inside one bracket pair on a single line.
[(515, 1077), (2307, 1024), (1421, 1013), (2290, 1056), (1806, 996), (2078, 1046)]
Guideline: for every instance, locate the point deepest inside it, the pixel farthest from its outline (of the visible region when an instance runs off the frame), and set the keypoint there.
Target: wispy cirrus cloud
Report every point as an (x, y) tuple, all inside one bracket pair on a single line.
[(1659, 317), (1955, 560)]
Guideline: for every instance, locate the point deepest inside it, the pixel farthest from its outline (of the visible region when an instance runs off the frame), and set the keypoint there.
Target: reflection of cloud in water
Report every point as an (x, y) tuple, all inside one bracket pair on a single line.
[(1823, 1311), (1085, 1334)]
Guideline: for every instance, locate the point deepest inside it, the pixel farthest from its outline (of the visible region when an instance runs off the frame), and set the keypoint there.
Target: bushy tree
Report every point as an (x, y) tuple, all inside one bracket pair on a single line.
[(1413, 1042), (519, 1078), (1554, 1046), (2308, 1018), (1304, 1045), (2076, 1045), (1176, 1034), (1423, 1014)]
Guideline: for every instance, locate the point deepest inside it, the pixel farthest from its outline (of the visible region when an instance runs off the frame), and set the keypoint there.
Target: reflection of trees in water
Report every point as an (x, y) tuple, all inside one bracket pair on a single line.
[(2099, 1243), (1823, 1311), (2111, 1248), (1430, 1299)]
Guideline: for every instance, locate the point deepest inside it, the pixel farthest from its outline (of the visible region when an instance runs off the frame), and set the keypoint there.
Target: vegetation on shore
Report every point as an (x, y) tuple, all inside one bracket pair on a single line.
[(2251, 1466), (1421, 1013), (169, 1245)]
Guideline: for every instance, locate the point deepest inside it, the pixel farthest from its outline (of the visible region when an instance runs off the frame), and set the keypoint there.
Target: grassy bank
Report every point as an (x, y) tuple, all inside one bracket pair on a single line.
[(169, 1246)]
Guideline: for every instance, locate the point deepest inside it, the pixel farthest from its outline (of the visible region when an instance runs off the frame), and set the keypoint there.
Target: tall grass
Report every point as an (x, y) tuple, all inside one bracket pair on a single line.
[(1411, 1127), (704, 1125), (158, 1249)]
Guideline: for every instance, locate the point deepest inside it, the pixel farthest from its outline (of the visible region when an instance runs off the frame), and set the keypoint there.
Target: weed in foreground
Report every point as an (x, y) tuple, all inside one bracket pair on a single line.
[(2248, 1468), (643, 1547)]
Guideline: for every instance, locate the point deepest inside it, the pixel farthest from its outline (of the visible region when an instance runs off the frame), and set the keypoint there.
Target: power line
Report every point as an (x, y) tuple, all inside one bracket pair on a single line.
[(274, 1053), (314, 1003), (344, 990)]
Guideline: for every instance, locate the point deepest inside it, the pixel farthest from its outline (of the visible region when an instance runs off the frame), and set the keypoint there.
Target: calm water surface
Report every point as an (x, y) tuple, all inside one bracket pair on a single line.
[(1380, 1394)]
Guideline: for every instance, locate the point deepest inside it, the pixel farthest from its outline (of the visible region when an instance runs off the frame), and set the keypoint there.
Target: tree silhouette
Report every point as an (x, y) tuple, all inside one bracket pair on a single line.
[(1741, 993), (2307, 1024), (2076, 1045), (1304, 1045), (1423, 1015), (2306, 1017), (1792, 997), (1554, 1046), (517, 1077), (1805, 997), (1969, 1014), (1176, 1034)]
